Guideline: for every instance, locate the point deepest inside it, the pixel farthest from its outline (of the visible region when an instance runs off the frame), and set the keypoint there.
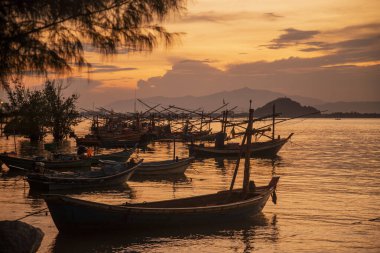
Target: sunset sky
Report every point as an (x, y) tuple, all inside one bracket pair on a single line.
[(323, 49)]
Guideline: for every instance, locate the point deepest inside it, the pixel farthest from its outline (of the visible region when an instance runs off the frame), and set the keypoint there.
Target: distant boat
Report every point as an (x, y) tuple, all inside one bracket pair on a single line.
[(258, 149), (164, 167), (109, 142), (114, 174), (71, 214)]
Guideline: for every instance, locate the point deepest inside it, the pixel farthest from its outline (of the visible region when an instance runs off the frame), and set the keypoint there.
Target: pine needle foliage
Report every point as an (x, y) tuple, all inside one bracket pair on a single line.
[(41, 36)]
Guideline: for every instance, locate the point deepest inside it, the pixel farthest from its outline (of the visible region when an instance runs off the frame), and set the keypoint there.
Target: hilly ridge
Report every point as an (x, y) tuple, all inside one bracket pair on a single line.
[(239, 98)]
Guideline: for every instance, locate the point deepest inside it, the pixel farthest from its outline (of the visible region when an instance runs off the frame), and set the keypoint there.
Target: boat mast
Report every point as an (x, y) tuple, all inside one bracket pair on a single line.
[(273, 120), (200, 128), (238, 162), (174, 148), (225, 121), (134, 105), (222, 125), (247, 165)]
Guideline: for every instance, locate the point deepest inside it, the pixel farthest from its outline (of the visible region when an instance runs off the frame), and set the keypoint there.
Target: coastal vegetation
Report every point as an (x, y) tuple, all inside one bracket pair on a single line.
[(36, 112)]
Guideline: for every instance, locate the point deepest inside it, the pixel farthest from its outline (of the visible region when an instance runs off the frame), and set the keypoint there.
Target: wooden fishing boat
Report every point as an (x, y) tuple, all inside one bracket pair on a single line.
[(258, 149), (88, 140), (109, 138), (121, 143), (58, 163), (70, 214), (114, 174), (121, 156), (108, 142), (206, 137), (164, 167)]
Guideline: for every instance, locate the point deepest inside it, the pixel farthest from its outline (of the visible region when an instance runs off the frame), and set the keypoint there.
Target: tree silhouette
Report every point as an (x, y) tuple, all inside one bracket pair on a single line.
[(28, 110), (61, 111), (38, 36), (35, 112)]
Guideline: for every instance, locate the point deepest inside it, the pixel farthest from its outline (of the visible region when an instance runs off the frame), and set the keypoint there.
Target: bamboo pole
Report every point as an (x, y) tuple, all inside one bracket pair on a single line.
[(225, 122), (273, 120), (200, 128), (237, 163), (174, 149), (247, 165), (222, 122)]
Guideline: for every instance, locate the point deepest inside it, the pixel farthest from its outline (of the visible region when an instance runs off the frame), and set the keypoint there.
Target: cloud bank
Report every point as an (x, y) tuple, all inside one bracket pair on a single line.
[(350, 70)]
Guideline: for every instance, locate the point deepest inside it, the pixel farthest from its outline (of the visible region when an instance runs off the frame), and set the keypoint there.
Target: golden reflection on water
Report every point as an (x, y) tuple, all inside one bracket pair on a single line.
[(328, 196)]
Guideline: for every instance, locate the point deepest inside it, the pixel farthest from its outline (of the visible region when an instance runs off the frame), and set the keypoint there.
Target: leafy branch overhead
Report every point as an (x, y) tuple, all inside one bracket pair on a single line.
[(49, 35)]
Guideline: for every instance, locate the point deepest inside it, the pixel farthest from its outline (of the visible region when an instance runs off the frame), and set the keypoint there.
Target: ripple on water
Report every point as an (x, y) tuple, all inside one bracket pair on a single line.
[(327, 196)]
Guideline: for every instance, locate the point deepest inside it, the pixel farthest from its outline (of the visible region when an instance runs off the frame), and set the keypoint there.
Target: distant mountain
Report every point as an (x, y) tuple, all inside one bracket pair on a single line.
[(360, 107), (285, 106), (239, 98)]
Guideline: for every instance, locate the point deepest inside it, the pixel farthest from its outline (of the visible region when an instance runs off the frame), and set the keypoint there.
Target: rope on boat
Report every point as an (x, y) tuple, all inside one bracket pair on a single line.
[(34, 213)]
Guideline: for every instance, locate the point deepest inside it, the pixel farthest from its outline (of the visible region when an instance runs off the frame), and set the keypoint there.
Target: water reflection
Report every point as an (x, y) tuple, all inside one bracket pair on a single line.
[(166, 239), (175, 178), (179, 181), (112, 189), (12, 179), (315, 186), (219, 162)]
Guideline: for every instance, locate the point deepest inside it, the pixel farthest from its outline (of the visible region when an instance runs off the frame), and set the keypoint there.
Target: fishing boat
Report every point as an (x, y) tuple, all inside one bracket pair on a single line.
[(121, 156), (88, 140), (177, 166), (112, 173), (59, 162), (70, 214), (92, 141), (258, 149)]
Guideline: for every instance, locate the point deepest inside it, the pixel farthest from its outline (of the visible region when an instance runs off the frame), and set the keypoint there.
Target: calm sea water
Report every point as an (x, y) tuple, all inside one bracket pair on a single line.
[(328, 197)]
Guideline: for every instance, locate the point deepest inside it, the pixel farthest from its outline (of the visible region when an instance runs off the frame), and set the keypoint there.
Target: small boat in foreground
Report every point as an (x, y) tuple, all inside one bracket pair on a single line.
[(70, 214), (112, 173), (164, 167)]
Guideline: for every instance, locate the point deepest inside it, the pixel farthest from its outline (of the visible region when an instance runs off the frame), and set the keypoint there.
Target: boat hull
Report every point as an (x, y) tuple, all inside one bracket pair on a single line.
[(258, 149), (51, 183), (73, 214), (121, 157), (164, 168), (29, 164)]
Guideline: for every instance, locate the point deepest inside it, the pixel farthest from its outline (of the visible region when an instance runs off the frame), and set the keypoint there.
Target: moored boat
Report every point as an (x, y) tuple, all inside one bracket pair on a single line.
[(70, 214), (164, 167), (114, 174), (121, 156), (258, 149), (58, 163)]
